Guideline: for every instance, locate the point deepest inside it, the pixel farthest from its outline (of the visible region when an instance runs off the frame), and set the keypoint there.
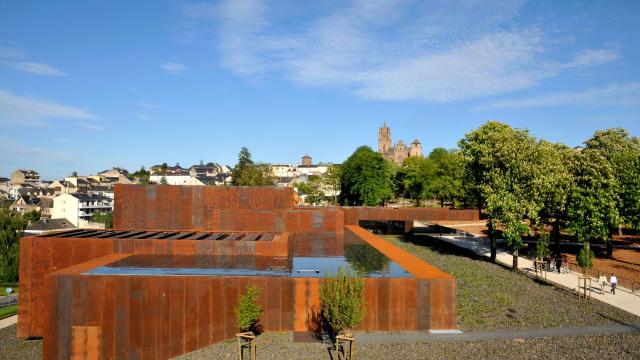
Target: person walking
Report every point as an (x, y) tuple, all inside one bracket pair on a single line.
[(558, 264), (602, 280), (565, 264), (614, 282)]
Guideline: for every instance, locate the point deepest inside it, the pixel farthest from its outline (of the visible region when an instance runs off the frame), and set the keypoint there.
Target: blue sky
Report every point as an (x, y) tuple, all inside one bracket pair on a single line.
[(86, 85)]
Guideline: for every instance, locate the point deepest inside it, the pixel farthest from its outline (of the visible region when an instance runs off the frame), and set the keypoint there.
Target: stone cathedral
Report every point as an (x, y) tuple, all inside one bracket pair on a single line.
[(398, 152)]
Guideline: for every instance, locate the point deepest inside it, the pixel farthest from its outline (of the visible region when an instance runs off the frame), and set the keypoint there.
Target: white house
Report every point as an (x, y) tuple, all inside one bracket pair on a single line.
[(283, 170), (78, 207), (175, 179)]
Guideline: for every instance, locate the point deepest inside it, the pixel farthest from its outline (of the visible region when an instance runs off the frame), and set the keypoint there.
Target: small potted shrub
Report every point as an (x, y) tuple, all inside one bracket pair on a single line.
[(342, 301), (585, 261), (248, 313)]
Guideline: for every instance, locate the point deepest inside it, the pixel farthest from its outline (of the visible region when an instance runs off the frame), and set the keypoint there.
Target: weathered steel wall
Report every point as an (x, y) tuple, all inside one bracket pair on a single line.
[(436, 290), (167, 207), (353, 215), (156, 317), (216, 208), (43, 255)]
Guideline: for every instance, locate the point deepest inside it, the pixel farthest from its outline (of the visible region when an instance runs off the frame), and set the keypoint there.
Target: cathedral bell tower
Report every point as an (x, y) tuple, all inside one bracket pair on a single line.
[(384, 139)]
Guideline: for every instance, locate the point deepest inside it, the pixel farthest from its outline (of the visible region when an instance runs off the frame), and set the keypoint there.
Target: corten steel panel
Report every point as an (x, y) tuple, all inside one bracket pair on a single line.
[(85, 343), (176, 316), (353, 215), (443, 310), (218, 312), (24, 312), (122, 317), (273, 303), (107, 318), (163, 325), (384, 301), (307, 304), (203, 317), (190, 315), (137, 292), (423, 299), (370, 292), (176, 207)]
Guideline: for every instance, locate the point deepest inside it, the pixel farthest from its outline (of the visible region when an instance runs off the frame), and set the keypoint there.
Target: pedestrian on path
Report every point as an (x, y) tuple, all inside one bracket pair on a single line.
[(602, 280), (565, 264), (558, 264), (614, 281)]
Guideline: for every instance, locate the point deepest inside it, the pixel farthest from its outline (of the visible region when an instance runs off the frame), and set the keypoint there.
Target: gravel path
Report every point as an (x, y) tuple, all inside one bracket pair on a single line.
[(280, 346), (12, 348)]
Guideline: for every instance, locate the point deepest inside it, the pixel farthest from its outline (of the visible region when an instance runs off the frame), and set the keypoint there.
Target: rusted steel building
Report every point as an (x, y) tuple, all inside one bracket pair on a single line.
[(167, 279)]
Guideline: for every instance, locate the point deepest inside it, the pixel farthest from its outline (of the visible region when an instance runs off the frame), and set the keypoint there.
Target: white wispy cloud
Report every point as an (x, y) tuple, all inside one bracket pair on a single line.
[(15, 59), (37, 68), (626, 95), (173, 67), (437, 51), (91, 127), (32, 111), (143, 116)]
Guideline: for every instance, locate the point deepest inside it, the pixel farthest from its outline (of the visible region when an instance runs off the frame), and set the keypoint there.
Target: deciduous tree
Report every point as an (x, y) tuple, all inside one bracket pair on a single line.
[(248, 173), (366, 178)]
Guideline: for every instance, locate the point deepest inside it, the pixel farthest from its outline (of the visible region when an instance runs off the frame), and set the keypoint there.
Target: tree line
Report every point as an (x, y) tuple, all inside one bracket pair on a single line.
[(521, 183)]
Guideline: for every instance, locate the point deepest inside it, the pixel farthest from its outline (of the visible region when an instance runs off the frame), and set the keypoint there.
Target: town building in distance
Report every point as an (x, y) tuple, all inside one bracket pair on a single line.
[(398, 152)]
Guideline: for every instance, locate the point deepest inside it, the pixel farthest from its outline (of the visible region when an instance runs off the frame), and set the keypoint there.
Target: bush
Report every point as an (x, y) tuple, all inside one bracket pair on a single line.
[(342, 300), (542, 246), (248, 310), (585, 257)]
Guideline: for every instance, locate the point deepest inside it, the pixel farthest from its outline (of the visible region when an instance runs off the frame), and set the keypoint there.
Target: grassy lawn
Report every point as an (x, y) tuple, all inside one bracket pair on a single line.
[(493, 297), (7, 311)]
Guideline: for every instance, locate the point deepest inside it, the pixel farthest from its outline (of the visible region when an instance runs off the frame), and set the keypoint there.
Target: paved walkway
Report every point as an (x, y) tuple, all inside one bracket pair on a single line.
[(507, 334), (623, 299), (6, 322)]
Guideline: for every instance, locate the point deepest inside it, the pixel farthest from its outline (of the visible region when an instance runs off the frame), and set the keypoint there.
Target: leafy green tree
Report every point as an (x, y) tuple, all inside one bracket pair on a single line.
[(163, 180), (623, 154), (248, 173), (366, 178), (331, 180), (416, 173), (106, 219), (497, 162), (313, 189), (592, 211), (142, 175), (445, 184), (32, 216), (551, 184), (12, 226)]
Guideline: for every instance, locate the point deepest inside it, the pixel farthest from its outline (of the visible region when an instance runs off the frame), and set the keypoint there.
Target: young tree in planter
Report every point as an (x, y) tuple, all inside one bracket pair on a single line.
[(342, 300), (248, 310), (585, 258)]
